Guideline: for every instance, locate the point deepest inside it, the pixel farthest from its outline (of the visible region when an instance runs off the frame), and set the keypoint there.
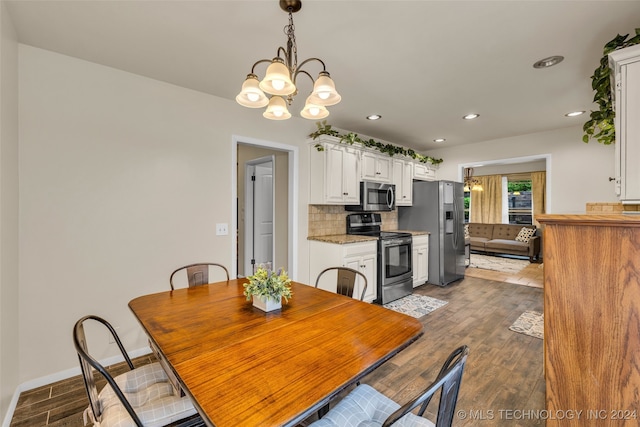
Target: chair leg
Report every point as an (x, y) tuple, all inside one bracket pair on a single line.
[(323, 411)]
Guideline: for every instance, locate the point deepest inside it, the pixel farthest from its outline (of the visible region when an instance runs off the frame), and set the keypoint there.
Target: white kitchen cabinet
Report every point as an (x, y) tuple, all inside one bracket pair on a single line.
[(403, 179), (423, 172), (375, 167), (420, 259), (360, 256), (333, 173), (625, 66)]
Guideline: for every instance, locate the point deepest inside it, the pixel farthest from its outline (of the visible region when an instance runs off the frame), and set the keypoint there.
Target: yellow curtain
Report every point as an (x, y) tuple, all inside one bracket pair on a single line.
[(486, 205), (538, 190)]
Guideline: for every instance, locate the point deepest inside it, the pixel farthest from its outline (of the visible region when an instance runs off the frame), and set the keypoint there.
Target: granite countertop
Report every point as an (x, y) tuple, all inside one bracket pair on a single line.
[(342, 239)]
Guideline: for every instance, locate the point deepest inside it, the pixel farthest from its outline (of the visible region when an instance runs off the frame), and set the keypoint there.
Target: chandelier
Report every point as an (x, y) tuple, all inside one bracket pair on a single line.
[(470, 183), (280, 80)]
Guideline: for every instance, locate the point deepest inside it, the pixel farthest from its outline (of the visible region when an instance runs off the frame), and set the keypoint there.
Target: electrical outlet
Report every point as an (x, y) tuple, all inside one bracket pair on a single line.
[(222, 229)]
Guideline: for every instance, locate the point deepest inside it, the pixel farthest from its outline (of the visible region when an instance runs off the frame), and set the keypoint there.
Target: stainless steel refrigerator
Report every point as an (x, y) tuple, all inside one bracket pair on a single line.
[(438, 207)]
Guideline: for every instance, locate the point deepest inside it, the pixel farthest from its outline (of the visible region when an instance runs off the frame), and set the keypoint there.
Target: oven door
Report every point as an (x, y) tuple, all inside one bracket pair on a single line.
[(396, 263)]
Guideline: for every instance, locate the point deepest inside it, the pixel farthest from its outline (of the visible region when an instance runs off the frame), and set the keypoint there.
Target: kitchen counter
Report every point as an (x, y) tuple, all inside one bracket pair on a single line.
[(343, 239)]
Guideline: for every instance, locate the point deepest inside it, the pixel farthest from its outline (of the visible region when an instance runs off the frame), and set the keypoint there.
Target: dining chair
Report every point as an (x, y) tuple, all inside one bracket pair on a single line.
[(367, 406), (140, 397), (197, 274), (345, 280)]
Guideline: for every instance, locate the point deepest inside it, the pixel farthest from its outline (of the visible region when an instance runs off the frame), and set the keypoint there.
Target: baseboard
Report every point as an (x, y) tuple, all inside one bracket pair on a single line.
[(59, 376)]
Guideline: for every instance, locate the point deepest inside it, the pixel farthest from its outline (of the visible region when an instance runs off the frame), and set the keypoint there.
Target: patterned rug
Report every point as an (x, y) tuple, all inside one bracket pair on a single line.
[(415, 305), (497, 263), (529, 323)]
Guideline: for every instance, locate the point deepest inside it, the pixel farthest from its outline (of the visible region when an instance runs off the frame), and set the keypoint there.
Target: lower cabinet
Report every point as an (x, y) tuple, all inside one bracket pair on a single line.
[(420, 259), (361, 256)]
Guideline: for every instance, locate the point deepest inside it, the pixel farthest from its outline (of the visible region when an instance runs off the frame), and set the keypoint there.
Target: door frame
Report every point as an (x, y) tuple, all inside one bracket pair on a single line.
[(249, 229), (512, 160), (293, 199)]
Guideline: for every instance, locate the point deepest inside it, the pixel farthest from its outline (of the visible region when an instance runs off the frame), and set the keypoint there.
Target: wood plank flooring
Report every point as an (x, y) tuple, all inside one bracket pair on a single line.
[(503, 382)]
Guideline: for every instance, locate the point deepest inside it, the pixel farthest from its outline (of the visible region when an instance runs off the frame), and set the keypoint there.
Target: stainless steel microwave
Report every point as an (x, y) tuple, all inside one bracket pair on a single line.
[(375, 197)]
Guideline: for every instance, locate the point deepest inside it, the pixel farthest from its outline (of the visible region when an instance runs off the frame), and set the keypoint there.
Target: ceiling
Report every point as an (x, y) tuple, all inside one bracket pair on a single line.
[(422, 65)]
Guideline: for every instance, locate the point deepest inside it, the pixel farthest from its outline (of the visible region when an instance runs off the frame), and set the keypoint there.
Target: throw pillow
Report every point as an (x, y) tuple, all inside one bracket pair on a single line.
[(466, 231), (525, 234)]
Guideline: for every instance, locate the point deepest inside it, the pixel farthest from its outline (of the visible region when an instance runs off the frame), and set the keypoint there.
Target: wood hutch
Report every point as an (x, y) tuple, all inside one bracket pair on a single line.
[(592, 318)]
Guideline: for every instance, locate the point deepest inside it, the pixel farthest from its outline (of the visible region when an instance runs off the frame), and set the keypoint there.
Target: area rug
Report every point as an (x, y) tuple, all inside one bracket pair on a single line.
[(415, 305), (497, 263), (529, 323)]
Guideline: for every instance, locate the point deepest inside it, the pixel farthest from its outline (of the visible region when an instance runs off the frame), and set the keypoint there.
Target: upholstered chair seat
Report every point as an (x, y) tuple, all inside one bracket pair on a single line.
[(151, 395), (366, 407)]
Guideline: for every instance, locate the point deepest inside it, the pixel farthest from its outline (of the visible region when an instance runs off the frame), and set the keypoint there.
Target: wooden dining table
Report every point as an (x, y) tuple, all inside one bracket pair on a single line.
[(244, 367)]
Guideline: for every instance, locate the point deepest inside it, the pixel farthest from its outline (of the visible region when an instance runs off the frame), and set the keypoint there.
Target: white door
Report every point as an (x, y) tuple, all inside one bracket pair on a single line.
[(259, 214)]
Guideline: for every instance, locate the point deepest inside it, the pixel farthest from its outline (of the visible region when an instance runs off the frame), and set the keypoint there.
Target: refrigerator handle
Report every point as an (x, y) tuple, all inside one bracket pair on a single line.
[(456, 217)]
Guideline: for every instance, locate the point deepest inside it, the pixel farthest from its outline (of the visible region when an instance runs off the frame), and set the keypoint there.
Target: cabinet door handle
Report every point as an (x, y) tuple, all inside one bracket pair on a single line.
[(345, 194), (363, 266)]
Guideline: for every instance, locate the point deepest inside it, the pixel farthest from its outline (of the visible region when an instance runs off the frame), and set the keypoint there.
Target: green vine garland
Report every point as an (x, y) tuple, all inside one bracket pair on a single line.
[(601, 125), (351, 138)]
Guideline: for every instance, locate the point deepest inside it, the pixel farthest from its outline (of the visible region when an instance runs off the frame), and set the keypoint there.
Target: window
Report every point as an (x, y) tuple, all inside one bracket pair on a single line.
[(519, 199), (467, 203)]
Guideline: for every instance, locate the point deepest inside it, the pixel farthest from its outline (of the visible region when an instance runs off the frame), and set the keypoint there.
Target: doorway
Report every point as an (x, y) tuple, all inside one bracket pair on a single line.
[(284, 201), (259, 214)]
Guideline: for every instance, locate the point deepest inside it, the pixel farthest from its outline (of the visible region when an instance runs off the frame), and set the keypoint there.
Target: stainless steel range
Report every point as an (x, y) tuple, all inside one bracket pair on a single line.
[(395, 275)]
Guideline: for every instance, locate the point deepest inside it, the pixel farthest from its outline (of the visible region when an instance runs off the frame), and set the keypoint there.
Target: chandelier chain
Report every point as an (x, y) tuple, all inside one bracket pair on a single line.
[(292, 48)]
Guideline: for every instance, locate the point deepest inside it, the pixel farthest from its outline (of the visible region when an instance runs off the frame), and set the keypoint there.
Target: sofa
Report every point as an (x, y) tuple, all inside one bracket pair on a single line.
[(508, 239)]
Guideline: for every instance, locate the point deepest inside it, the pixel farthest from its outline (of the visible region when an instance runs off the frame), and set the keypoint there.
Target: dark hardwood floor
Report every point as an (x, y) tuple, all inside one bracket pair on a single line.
[(503, 382)]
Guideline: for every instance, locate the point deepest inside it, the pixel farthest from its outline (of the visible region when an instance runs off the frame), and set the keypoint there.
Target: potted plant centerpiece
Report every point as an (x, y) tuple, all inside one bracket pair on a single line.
[(268, 288)]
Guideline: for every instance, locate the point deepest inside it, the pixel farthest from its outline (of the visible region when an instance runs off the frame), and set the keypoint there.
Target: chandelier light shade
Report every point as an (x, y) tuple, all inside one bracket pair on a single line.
[(251, 95), (277, 109), (277, 81), (314, 111), (280, 80)]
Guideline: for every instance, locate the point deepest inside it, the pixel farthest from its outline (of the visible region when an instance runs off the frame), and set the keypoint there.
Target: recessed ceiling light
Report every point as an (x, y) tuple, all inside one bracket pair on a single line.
[(439, 140), (574, 113), (548, 62), (374, 117), (471, 116)]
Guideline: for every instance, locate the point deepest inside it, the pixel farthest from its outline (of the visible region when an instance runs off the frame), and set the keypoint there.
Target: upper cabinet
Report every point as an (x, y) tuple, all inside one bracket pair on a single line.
[(375, 167), (424, 172), (403, 179), (625, 66), (337, 169), (334, 174)]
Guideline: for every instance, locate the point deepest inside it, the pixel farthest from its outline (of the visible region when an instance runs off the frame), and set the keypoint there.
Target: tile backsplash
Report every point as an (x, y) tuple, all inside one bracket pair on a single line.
[(329, 220), (609, 208)]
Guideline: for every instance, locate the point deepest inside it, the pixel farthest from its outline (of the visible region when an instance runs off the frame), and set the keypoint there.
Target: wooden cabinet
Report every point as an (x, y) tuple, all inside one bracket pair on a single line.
[(625, 65), (375, 167), (592, 318), (403, 179), (359, 256), (420, 259), (423, 172), (333, 174)]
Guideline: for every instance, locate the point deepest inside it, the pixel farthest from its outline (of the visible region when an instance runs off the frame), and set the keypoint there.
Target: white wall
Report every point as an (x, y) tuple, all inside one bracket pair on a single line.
[(579, 172), (122, 179), (9, 379)]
